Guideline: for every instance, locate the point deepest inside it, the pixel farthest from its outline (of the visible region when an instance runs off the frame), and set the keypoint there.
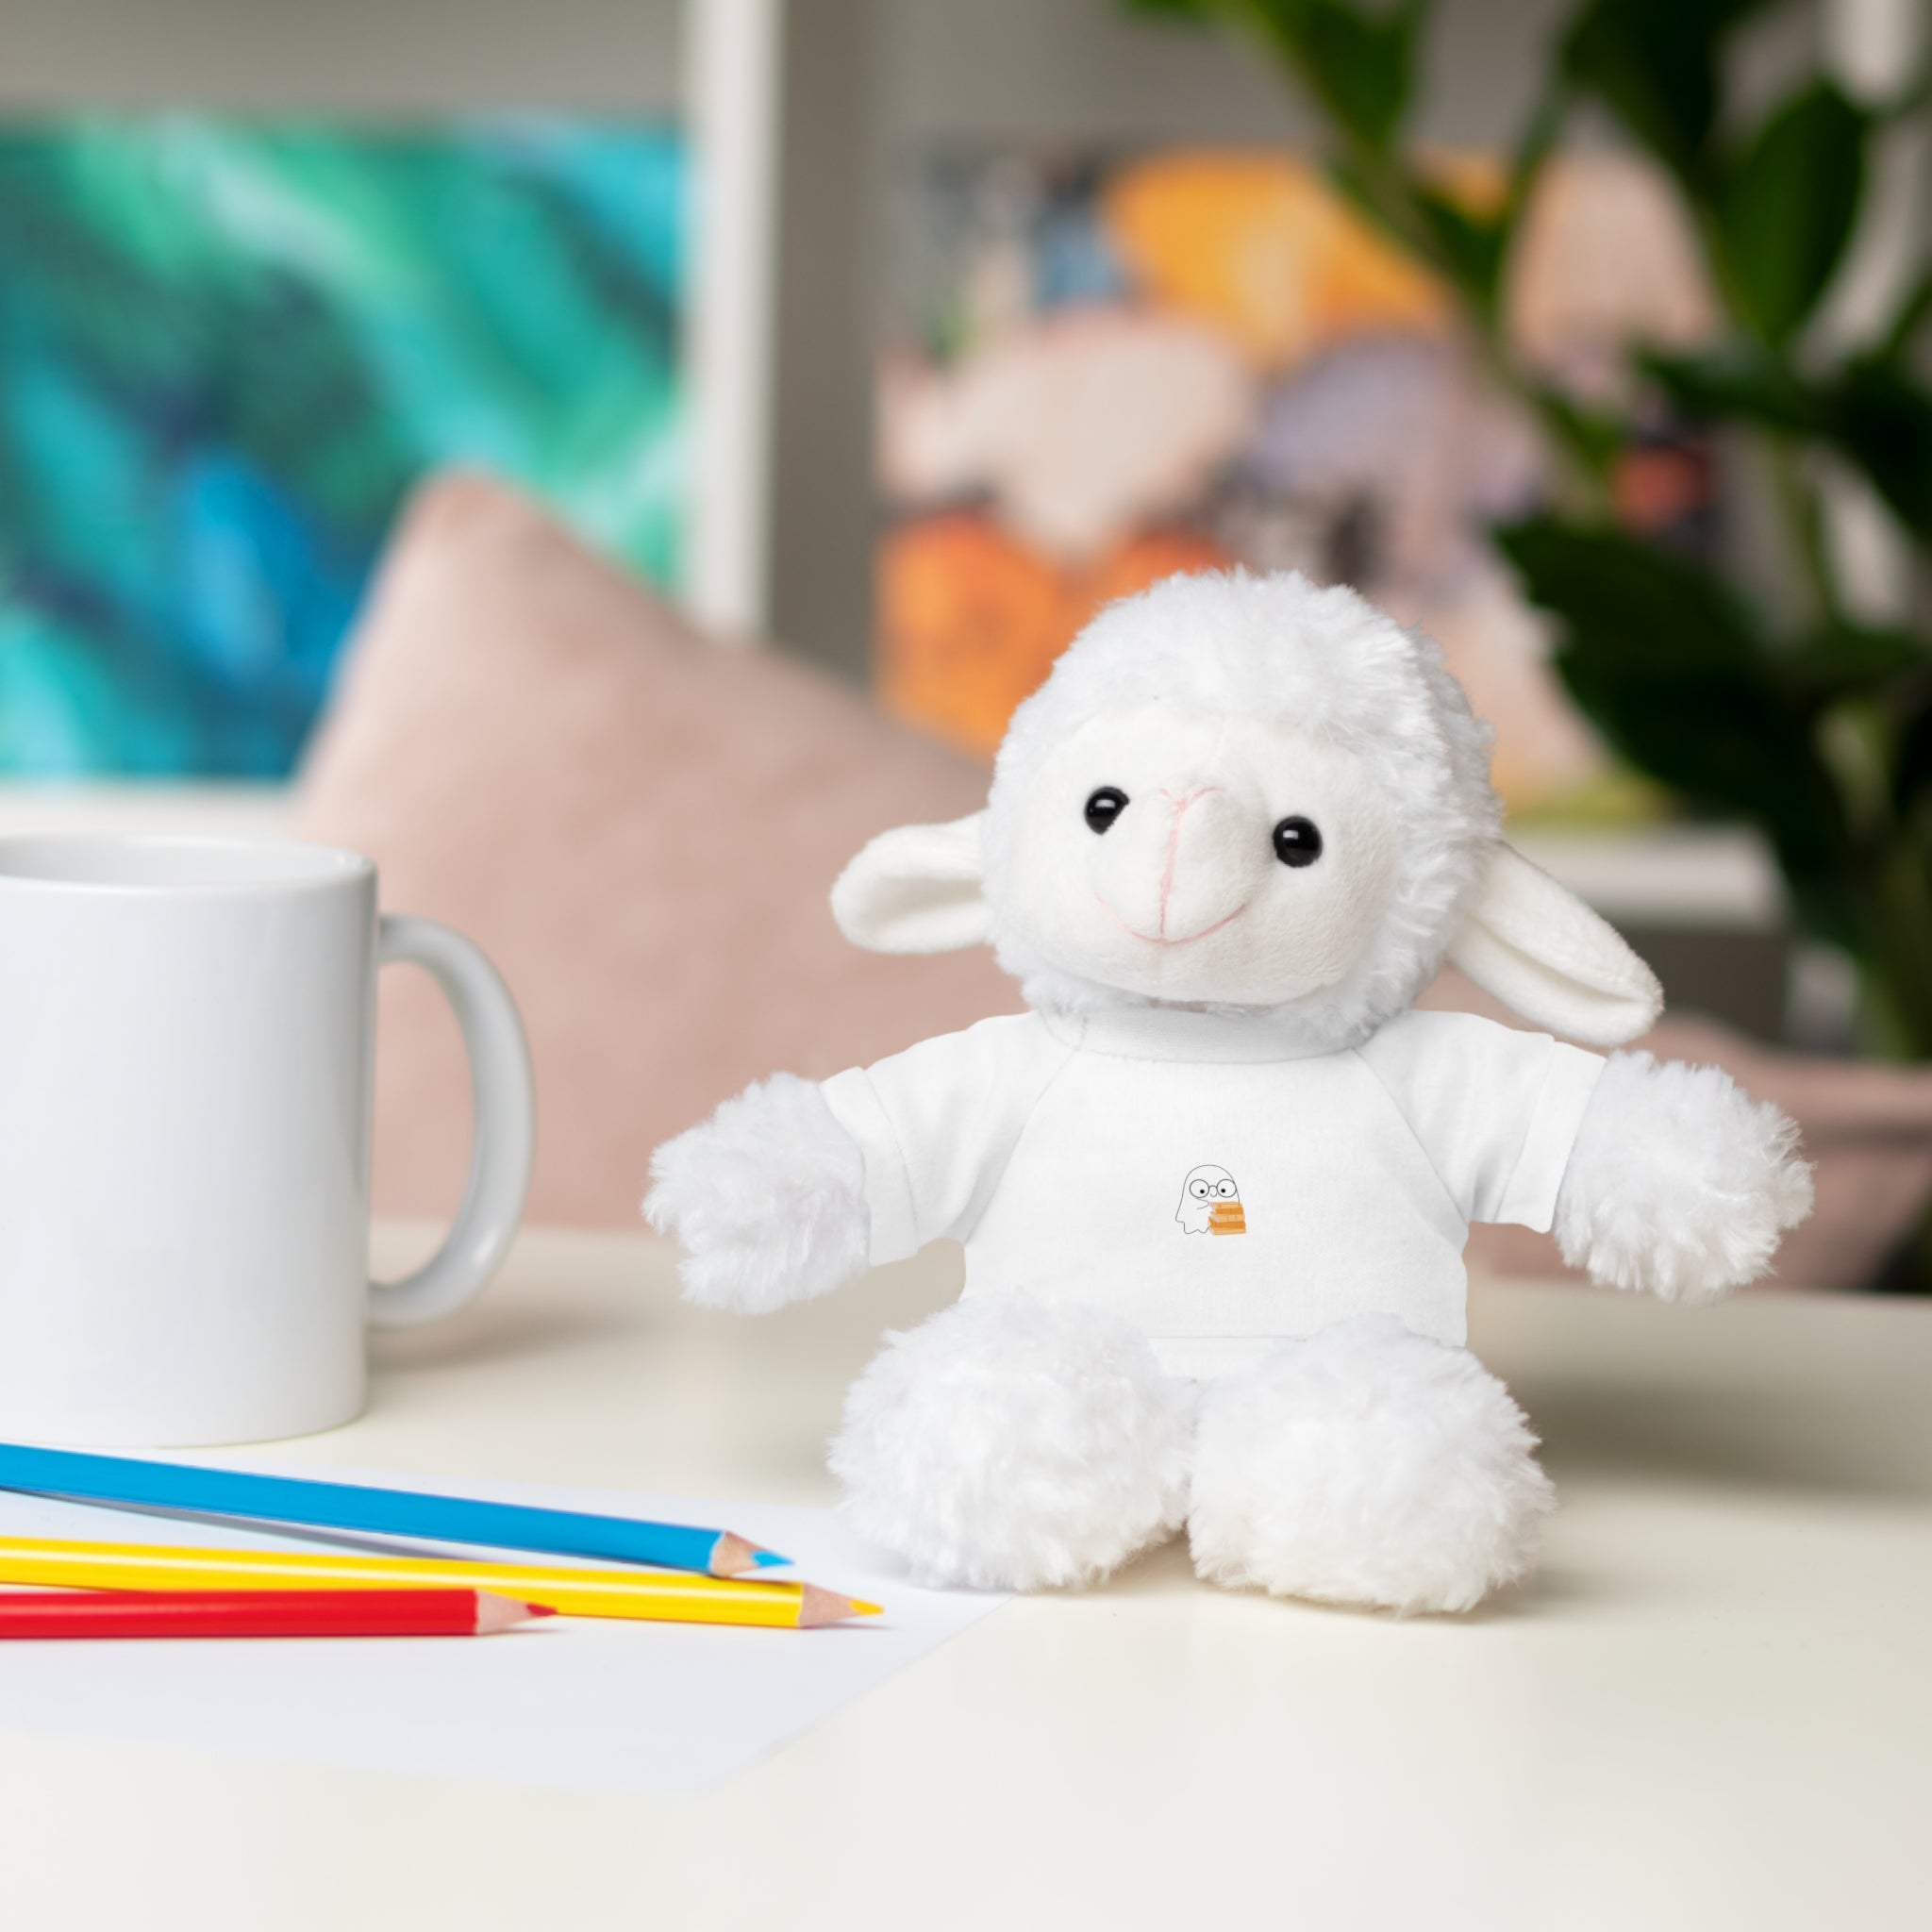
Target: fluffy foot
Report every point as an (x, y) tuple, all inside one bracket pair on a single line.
[(1013, 1443), (767, 1198), (1366, 1465), (1680, 1183)]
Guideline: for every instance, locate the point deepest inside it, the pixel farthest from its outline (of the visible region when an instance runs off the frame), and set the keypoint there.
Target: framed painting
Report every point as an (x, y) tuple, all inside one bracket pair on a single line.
[(233, 345)]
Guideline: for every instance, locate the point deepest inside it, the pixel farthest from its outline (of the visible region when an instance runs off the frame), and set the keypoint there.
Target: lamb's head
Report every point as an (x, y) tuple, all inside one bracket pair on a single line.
[(1248, 794)]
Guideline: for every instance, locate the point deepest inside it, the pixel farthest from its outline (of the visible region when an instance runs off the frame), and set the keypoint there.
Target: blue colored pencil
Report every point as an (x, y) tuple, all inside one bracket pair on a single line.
[(272, 1499)]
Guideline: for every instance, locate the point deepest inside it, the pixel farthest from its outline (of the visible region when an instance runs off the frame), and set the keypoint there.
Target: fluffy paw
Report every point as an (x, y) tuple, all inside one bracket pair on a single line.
[(1012, 1443), (1680, 1183), (1367, 1465), (767, 1198)]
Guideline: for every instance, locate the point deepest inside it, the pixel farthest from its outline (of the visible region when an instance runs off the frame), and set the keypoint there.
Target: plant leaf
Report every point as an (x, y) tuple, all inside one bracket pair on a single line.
[(1740, 381), (1723, 742), (1358, 63), (1654, 64), (1911, 777), (1643, 604), (1470, 247), (1786, 207), (1882, 419), (1674, 670), (1877, 413), (1911, 317), (1849, 659)]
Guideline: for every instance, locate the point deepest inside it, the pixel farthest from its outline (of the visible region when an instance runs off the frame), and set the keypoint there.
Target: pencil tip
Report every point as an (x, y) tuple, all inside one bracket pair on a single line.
[(731, 1555), (495, 1613), (816, 1606)]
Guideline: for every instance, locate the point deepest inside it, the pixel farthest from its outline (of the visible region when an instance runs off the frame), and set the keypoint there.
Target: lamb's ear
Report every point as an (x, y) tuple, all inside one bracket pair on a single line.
[(916, 889), (1541, 951)]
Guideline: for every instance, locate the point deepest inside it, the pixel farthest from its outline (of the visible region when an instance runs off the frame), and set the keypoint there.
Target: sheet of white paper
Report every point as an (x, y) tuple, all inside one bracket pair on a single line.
[(571, 1702)]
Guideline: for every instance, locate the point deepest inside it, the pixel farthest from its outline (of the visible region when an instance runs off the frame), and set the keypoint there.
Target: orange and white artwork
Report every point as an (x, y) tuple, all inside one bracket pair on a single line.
[(1102, 371)]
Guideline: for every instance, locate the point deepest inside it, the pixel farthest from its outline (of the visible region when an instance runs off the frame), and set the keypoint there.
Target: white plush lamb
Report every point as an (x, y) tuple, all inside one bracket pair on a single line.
[(1228, 841)]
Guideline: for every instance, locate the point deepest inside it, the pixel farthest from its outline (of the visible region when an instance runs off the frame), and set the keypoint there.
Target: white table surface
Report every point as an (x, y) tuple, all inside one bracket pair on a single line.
[(1712, 1711)]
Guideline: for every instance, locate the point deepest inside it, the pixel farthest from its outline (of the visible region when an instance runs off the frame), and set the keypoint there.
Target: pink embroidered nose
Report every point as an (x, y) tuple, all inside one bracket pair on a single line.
[(1179, 803), (1181, 866)]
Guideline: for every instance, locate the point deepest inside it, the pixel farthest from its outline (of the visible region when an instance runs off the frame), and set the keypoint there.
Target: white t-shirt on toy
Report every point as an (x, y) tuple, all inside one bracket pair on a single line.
[(1194, 1176)]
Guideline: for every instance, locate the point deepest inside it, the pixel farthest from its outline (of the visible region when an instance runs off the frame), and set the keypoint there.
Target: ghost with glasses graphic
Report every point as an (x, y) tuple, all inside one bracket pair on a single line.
[(1210, 1202)]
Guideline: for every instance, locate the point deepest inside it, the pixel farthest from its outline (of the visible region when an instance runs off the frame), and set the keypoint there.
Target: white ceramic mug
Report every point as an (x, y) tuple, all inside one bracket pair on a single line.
[(187, 1044)]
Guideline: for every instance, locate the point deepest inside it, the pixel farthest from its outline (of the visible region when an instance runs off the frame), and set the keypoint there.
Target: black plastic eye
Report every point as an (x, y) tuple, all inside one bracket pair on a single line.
[(1106, 806), (1296, 842)]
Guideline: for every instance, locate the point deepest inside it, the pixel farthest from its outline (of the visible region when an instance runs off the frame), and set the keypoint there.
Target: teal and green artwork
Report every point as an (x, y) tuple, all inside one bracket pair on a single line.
[(229, 348)]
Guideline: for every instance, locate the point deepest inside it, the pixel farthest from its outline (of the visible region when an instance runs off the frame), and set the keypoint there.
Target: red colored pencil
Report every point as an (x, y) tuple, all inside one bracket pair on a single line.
[(261, 1613)]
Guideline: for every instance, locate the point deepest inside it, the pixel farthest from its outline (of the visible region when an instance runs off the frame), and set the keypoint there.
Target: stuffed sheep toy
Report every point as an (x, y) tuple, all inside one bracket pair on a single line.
[(1214, 1188)]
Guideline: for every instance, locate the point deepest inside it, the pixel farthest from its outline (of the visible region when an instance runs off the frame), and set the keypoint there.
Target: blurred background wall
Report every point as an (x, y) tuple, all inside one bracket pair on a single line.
[(816, 142), (867, 87), (377, 55)]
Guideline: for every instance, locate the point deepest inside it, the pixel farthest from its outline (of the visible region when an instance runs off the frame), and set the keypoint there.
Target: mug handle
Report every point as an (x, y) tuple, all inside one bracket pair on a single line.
[(503, 1136)]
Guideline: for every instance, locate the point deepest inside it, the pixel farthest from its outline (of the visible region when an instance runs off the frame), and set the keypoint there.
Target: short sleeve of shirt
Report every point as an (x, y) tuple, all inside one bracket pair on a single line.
[(938, 1122), (1495, 1110)]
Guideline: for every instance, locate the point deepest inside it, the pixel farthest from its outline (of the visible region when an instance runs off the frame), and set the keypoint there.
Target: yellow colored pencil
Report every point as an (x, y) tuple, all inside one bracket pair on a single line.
[(655, 1595)]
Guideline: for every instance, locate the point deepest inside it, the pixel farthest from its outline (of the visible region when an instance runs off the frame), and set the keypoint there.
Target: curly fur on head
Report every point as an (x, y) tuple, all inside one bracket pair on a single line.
[(768, 1198), (1679, 1182), (1013, 1443), (1278, 647), (1367, 1466)]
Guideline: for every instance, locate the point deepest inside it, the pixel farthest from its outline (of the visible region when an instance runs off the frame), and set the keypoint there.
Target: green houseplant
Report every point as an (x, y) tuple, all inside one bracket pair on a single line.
[(1782, 709)]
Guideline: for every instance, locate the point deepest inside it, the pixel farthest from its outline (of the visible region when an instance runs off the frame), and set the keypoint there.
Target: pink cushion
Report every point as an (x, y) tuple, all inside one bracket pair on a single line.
[(639, 828)]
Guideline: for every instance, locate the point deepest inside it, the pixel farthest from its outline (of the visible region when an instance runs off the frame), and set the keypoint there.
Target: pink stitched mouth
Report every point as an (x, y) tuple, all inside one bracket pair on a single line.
[(1157, 940)]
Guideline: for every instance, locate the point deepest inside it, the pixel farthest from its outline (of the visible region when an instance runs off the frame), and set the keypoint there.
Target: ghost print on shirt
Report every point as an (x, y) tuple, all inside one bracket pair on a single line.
[(1210, 1202)]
